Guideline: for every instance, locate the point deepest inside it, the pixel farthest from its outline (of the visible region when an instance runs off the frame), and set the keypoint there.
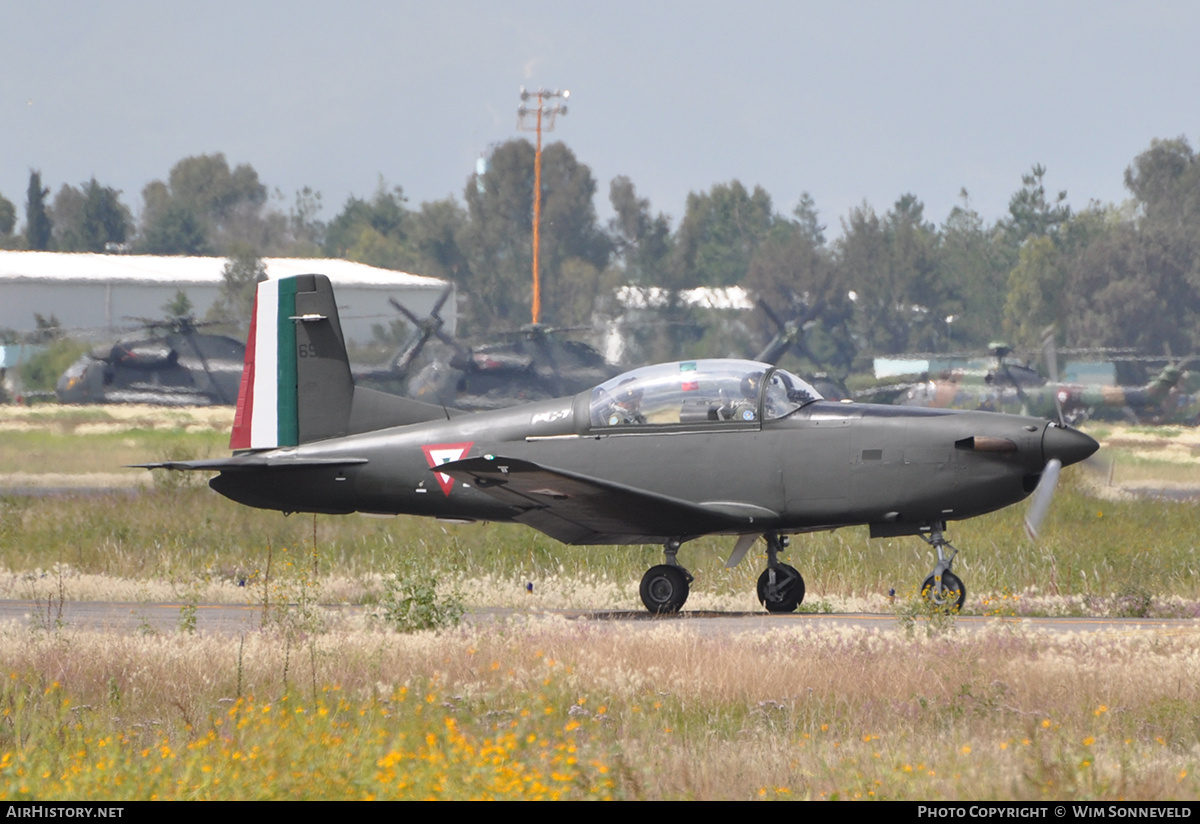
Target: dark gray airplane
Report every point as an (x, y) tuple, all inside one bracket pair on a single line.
[(661, 454)]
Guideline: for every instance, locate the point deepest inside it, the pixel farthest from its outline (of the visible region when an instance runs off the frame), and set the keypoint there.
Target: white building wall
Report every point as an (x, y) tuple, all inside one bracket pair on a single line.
[(99, 293)]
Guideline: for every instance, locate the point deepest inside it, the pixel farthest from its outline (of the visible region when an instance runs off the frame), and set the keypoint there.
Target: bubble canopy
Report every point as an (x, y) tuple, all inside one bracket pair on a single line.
[(699, 391)]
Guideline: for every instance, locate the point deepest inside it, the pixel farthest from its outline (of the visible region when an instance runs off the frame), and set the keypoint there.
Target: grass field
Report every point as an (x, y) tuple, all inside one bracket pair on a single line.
[(558, 709), (316, 706)]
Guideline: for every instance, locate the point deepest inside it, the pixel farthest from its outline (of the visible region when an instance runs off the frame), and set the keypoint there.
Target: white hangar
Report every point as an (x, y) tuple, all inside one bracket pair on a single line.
[(98, 291)]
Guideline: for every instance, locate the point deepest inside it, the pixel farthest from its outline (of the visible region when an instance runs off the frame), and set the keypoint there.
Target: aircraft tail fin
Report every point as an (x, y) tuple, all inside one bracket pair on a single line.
[(296, 382)]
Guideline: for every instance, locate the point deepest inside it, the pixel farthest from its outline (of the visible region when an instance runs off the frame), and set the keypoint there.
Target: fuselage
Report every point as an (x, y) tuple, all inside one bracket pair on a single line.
[(824, 465)]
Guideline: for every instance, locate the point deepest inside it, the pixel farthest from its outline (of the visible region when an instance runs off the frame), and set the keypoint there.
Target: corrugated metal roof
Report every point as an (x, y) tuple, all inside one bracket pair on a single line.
[(73, 266)]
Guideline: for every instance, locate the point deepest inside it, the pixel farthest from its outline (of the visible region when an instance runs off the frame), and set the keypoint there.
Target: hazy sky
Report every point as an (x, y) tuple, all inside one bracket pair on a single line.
[(851, 101)]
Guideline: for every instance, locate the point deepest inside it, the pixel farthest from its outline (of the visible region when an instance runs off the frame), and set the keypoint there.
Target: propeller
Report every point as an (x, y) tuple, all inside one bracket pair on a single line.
[(1060, 445), (1043, 494), (1051, 357), (1039, 505)]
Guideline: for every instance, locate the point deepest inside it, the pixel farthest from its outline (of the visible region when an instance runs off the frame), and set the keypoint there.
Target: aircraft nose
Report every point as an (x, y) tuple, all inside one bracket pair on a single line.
[(1066, 444)]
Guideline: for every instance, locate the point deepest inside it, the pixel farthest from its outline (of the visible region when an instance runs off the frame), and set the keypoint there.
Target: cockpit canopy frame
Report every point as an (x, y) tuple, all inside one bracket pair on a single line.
[(700, 392)]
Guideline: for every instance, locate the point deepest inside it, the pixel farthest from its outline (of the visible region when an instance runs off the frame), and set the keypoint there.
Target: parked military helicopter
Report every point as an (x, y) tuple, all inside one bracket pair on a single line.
[(537, 362), (174, 365), (1018, 388), (790, 337), (664, 453)]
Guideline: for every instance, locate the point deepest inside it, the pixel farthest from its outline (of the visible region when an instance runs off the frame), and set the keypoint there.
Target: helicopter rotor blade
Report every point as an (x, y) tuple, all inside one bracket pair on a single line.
[(441, 301), (404, 310)]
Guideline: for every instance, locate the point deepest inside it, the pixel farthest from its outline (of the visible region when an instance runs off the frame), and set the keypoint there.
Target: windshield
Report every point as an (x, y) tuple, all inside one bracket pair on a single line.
[(696, 392), (785, 394)]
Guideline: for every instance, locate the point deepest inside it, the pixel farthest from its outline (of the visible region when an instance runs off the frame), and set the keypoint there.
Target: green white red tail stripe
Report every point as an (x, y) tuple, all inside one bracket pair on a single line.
[(266, 412)]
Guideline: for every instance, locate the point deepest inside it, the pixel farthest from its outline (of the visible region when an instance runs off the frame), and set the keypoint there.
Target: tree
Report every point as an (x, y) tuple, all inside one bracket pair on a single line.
[(206, 205), (372, 231), (242, 273), (891, 264), (179, 306), (720, 231), (794, 276), (1165, 179), (37, 223), (975, 263), (641, 242), (308, 233), (207, 185), (808, 219), (8, 218), (1136, 287), (87, 219), (175, 230), (66, 214), (1036, 288), (435, 234), (1031, 215), (497, 239)]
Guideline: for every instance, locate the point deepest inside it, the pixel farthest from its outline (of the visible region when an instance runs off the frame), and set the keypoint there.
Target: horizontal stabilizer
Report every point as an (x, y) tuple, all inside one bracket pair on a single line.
[(246, 463), (577, 509)]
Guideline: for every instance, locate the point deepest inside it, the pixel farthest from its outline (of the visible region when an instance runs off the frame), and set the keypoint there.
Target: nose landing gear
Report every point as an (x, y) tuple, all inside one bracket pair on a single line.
[(780, 587), (943, 589)]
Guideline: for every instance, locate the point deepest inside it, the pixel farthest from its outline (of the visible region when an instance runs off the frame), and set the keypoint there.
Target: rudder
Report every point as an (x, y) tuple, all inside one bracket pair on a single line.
[(296, 383)]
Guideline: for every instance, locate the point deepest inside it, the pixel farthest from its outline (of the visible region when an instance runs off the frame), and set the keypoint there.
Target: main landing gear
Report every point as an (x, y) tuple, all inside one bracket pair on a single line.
[(665, 587), (943, 589)]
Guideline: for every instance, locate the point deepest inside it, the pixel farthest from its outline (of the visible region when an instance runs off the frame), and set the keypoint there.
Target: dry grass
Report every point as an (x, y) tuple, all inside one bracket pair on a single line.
[(666, 712)]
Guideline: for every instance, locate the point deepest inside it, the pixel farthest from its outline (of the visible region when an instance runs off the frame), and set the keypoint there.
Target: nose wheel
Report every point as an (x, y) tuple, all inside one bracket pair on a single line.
[(943, 589), (949, 596)]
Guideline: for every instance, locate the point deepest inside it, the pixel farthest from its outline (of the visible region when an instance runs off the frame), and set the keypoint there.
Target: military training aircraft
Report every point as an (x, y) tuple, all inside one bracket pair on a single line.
[(661, 454)]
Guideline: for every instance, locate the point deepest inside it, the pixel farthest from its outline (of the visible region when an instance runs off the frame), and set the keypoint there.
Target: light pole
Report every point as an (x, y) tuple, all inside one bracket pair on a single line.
[(523, 115)]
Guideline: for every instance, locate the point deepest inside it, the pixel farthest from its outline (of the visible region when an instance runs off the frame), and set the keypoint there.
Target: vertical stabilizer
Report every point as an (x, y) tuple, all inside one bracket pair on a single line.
[(296, 384)]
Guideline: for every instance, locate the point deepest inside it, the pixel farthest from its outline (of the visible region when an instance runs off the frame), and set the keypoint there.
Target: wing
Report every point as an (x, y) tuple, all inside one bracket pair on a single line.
[(578, 509)]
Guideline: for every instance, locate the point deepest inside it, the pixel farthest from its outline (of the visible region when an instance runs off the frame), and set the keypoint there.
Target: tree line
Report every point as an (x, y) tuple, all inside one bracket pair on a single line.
[(1108, 275)]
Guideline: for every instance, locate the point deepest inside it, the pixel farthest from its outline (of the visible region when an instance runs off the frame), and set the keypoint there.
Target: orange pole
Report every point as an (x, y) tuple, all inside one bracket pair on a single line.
[(537, 212)]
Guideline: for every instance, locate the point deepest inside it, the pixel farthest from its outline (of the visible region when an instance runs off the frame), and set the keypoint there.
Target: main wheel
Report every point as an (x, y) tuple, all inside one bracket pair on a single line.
[(664, 589), (953, 596), (789, 589)]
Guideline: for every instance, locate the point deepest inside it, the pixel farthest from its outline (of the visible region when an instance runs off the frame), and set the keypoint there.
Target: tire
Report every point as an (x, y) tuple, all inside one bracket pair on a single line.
[(952, 584), (664, 589), (789, 589)]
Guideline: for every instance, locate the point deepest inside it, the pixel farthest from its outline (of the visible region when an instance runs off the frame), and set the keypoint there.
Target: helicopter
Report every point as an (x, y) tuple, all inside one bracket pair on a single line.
[(169, 363), (1017, 388), (534, 363)]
